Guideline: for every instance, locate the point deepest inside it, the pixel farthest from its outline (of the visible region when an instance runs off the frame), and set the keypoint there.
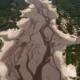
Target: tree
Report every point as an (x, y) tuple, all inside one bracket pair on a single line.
[(9, 13)]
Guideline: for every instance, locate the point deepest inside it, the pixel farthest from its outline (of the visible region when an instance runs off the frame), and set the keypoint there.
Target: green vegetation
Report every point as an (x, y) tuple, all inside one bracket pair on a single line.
[(9, 13), (70, 11), (1, 44), (73, 56)]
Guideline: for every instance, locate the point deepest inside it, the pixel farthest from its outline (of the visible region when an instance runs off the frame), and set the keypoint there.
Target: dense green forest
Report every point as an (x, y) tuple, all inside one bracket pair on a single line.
[(9, 13), (70, 10), (75, 2)]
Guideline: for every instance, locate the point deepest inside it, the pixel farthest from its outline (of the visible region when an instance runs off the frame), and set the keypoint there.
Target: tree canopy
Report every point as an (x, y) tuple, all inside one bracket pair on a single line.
[(9, 13)]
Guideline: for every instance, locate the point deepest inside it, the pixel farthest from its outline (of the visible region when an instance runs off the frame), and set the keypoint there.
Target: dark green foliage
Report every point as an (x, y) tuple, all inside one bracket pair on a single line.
[(58, 21), (1, 43), (78, 69), (21, 4), (69, 6), (69, 28), (70, 9), (75, 2), (73, 58), (9, 13)]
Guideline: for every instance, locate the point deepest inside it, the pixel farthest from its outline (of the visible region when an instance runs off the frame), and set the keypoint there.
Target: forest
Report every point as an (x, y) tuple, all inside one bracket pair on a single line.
[(9, 13)]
